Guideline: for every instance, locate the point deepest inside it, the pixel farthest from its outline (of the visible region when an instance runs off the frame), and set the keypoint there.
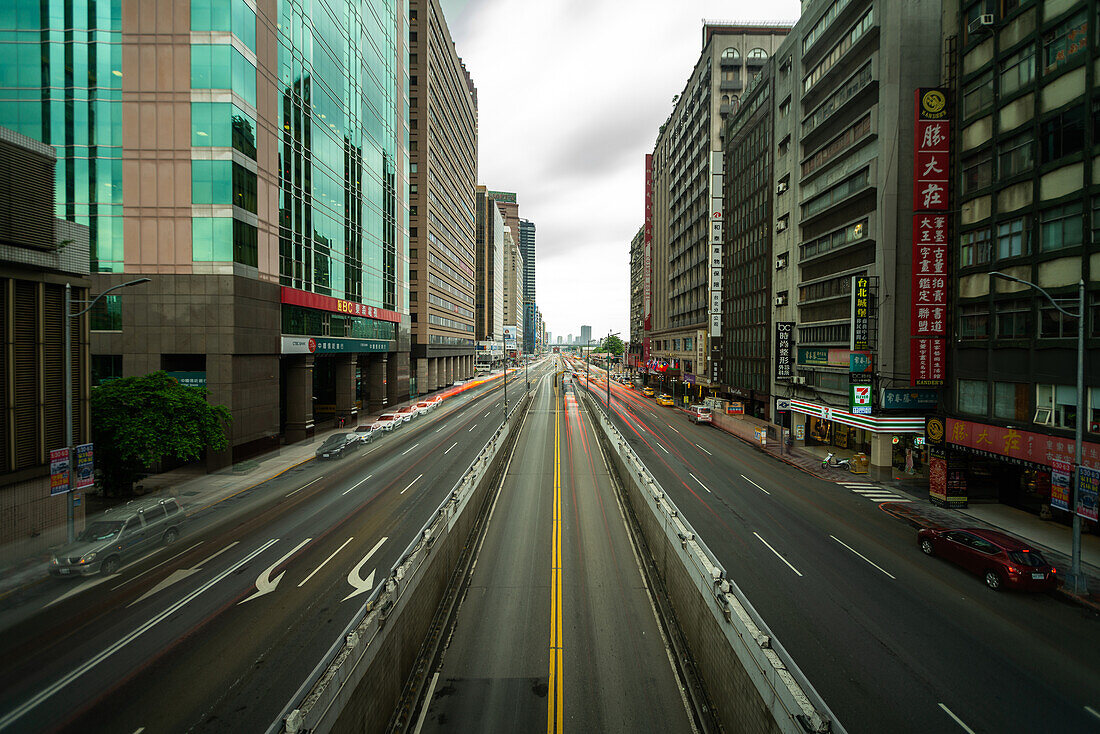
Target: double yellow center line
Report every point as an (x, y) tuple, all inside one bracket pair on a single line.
[(554, 704)]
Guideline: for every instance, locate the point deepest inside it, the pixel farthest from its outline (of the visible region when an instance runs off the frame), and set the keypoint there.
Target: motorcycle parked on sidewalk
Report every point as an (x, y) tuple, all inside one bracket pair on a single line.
[(829, 463)]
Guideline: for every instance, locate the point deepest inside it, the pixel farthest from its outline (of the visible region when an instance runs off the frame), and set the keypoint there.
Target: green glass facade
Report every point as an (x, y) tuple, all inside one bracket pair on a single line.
[(61, 83)]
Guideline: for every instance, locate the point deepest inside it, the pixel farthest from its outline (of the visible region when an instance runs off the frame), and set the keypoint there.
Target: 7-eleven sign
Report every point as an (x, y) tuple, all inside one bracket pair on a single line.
[(860, 399)]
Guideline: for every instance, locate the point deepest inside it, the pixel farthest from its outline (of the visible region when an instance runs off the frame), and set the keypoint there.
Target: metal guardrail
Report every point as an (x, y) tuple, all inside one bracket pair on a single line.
[(322, 694), (784, 689)]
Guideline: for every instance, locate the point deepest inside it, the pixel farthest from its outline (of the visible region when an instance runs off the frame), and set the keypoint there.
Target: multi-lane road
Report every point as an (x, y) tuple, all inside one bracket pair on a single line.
[(218, 631), (893, 640)]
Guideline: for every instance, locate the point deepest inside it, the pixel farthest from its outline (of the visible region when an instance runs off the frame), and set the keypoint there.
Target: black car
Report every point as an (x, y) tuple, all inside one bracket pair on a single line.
[(337, 445)]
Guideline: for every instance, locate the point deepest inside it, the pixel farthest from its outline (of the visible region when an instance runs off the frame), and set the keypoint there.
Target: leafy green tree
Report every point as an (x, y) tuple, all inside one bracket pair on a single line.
[(612, 344), (137, 421)]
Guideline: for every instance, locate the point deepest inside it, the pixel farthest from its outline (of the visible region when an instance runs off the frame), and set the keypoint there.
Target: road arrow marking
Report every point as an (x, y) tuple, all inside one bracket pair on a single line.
[(361, 585), (264, 583)]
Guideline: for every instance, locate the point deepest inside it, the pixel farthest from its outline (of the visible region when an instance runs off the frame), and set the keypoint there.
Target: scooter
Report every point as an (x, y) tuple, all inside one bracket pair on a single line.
[(828, 463)]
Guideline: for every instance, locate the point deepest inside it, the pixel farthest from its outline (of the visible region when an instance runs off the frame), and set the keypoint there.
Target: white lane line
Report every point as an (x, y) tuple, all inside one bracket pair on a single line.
[(881, 496), (356, 485), (451, 447), (36, 700), (873, 493), (472, 427), (152, 568), (411, 484), (139, 730), (662, 448), (440, 429), (410, 448), (755, 484), (957, 719), (487, 414), (1093, 711), (700, 483), (673, 429), (773, 550), (898, 500), (307, 578), (706, 452), (880, 568), (428, 697), (306, 485)]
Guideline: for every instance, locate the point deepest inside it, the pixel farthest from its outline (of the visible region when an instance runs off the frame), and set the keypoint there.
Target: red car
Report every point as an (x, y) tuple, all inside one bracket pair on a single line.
[(1000, 559)]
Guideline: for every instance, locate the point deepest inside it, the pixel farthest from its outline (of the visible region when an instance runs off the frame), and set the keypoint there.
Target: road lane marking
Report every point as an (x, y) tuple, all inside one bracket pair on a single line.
[(451, 447), (1093, 711), (472, 427), (36, 700), (554, 700), (773, 550), (307, 578), (180, 574), (410, 484), (77, 589), (264, 583), (957, 719), (487, 414), (153, 568), (306, 485), (360, 584), (755, 484), (700, 483), (706, 452), (356, 485), (670, 426), (663, 448), (410, 448), (440, 429), (880, 568)]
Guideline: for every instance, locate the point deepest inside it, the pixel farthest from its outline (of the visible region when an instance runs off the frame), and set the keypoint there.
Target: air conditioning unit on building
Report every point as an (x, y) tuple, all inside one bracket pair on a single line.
[(781, 225), (781, 187), (780, 263), (798, 380), (981, 23), (780, 300)]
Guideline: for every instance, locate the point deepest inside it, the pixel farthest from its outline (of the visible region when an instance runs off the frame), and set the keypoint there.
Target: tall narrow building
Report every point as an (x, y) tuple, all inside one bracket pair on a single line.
[(442, 220), (489, 306), (252, 163), (513, 292), (530, 316)]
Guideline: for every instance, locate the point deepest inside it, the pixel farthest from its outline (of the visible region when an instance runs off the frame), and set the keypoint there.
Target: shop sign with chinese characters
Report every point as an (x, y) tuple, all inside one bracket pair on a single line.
[(1061, 473), (929, 312), (1021, 446), (784, 367), (861, 312)]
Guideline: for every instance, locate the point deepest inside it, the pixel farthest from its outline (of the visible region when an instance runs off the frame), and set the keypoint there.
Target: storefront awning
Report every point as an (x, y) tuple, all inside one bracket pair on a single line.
[(872, 423)]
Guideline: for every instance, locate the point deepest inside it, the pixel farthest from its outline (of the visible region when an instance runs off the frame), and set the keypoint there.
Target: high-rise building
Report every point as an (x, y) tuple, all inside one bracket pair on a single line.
[(842, 209), (527, 249), (637, 317), (560, 340), (443, 152), (489, 306), (260, 186), (509, 209), (38, 256), (513, 289), (1026, 202), (685, 179), (586, 334)]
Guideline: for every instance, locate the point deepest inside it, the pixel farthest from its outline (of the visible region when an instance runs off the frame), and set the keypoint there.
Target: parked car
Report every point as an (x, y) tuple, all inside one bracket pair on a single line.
[(386, 422), (365, 433), (665, 399), (1003, 561), (337, 445), (424, 406), (407, 413), (699, 414), (121, 533), (648, 392)]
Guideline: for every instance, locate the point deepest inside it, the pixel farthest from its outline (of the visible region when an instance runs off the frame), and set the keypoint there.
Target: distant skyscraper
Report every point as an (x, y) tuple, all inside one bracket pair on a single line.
[(586, 334), (559, 340), (570, 341), (527, 249)]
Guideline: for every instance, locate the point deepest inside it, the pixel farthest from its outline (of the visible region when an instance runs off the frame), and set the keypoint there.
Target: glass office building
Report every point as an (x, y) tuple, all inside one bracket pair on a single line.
[(251, 157)]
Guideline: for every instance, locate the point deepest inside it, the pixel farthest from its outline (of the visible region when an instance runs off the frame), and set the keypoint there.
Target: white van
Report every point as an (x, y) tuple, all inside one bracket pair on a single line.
[(700, 414)]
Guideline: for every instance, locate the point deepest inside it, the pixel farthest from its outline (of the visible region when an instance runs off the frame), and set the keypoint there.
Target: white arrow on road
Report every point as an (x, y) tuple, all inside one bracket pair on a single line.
[(180, 574), (264, 583), (361, 585)]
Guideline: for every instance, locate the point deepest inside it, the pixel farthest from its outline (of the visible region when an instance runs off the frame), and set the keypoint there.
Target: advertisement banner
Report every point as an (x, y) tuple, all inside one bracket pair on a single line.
[(1088, 487), (1061, 472), (861, 312), (85, 465), (926, 362), (294, 297), (784, 365), (59, 471), (928, 315), (931, 173), (1022, 446), (332, 345), (909, 398), (736, 408), (647, 239)]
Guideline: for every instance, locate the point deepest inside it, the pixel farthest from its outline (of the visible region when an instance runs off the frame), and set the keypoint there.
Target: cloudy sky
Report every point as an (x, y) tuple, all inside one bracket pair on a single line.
[(570, 96)]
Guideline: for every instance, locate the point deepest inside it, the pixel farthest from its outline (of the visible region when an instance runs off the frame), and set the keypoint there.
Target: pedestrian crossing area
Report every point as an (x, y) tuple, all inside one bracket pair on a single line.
[(873, 492)]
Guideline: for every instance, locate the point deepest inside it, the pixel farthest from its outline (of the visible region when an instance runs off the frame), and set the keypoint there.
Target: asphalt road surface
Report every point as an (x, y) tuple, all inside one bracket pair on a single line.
[(216, 632), (892, 640), (556, 631)]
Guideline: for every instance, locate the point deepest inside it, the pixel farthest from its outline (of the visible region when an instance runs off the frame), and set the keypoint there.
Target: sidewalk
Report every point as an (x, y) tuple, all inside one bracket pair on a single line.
[(1051, 537)]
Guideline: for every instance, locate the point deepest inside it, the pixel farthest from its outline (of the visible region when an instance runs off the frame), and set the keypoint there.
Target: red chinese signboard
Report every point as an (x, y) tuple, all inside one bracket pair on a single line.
[(931, 189), (296, 297), (1037, 448), (647, 245)]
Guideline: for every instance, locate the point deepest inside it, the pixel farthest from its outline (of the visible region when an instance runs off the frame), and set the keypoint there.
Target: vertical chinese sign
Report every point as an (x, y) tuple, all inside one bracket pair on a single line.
[(784, 364), (931, 178), (715, 242), (647, 260), (861, 313)]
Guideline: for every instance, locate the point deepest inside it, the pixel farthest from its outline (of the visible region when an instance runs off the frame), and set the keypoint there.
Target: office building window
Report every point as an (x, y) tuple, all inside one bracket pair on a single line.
[(1014, 237), (1056, 405), (973, 397), (1069, 40), (974, 321), (977, 172), (106, 314), (1010, 400), (1018, 70), (1063, 134), (211, 182), (245, 244), (1053, 324), (1015, 156), (1060, 227), (978, 96), (974, 247), (1013, 319)]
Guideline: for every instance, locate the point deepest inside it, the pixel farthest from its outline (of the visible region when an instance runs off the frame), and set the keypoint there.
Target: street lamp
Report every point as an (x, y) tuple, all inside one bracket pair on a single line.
[(71, 511), (1079, 580)]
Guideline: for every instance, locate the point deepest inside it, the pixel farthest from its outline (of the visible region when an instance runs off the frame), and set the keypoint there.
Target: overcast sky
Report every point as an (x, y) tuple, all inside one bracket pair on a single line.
[(570, 96)]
